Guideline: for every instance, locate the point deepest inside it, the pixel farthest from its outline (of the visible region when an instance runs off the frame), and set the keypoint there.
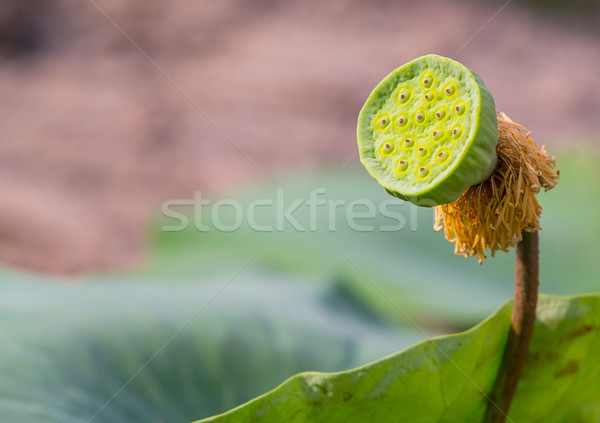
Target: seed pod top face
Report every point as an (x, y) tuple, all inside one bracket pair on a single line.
[(428, 131)]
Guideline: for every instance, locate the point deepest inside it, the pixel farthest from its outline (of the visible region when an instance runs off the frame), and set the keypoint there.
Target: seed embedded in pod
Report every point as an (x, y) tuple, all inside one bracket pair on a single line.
[(422, 172), (460, 108), (403, 95), (456, 132), (408, 143), (382, 121), (437, 134), (401, 166), (401, 121), (429, 96), (443, 156), (420, 116), (450, 89), (387, 148), (422, 152), (427, 80), (440, 113)]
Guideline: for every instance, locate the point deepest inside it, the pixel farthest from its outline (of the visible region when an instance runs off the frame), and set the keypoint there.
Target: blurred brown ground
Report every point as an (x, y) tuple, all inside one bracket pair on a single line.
[(94, 137)]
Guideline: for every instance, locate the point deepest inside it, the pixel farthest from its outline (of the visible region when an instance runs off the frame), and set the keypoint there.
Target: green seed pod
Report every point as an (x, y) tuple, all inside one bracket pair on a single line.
[(445, 109)]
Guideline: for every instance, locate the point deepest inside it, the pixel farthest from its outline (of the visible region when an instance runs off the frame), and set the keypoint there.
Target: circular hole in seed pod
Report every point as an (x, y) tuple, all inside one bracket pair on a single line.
[(401, 165), (440, 113), (422, 172), (387, 148), (427, 80), (457, 132), (450, 89), (420, 116), (408, 143), (403, 95), (429, 96), (421, 152), (437, 134), (401, 121), (443, 156), (460, 108), (382, 121)]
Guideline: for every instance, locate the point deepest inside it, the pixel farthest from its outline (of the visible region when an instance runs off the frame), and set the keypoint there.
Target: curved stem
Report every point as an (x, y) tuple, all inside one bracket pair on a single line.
[(521, 330)]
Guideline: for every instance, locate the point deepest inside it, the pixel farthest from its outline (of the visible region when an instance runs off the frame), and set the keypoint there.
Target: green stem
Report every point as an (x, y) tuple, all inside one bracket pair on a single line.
[(521, 330)]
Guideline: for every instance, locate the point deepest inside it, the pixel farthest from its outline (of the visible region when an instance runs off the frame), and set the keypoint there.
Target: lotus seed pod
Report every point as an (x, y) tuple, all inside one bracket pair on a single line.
[(444, 124)]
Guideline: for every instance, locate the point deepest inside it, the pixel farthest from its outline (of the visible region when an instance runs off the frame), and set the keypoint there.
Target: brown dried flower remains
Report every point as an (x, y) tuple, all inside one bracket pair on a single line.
[(492, 215)]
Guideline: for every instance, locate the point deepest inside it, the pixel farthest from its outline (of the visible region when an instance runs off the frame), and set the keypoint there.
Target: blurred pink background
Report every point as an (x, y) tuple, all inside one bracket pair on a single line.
[(94, 136)]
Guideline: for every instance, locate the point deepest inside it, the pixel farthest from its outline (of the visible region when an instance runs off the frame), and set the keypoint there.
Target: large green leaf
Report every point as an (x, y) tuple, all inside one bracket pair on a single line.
[(415, 266), (444, 379), (67, 348)]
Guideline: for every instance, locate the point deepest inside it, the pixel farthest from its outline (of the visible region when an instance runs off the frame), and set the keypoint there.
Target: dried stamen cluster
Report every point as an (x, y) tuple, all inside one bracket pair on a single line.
[(491, 215)]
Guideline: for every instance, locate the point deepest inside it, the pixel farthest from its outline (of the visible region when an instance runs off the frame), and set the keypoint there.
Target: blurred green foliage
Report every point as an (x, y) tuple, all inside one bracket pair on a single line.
[(415, 266), (188, 349)]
